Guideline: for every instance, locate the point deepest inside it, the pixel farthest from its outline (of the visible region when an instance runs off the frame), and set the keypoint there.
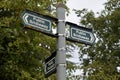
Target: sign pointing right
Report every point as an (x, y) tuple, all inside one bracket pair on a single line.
[(81, 34)]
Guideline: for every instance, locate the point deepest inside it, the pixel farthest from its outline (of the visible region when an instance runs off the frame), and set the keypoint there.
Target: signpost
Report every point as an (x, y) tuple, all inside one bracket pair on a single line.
[(50, 65), (36, 21), (61, 43), (57, 61), (81, 34)]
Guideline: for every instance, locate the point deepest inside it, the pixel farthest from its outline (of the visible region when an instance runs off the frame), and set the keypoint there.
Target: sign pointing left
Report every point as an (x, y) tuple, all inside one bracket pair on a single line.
[(36, 21)]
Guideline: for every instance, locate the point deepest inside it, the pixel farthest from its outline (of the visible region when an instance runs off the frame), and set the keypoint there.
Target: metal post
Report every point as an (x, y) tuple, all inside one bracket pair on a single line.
[(61, 42)]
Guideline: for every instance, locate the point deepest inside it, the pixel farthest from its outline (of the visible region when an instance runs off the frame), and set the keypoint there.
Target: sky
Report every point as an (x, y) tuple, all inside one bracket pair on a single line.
[(94, 5)]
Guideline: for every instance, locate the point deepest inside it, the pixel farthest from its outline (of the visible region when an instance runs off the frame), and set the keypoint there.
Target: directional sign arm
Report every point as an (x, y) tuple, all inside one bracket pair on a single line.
[(81, 34)]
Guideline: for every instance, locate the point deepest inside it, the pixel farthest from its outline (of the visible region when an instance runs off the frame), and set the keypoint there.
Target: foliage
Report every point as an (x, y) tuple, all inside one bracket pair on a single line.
[(103, 58), (23, 51)]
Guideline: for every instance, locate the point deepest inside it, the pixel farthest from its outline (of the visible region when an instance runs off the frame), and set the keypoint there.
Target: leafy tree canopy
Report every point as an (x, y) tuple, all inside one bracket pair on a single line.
[(103, 59), (23, 51)]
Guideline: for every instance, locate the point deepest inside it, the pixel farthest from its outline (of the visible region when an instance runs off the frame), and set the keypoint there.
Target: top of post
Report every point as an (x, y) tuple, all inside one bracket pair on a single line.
[(60, 4)]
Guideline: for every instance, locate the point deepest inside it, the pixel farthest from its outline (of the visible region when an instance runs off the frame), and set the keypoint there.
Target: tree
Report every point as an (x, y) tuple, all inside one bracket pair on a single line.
[(103, 58), (23, 51)]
